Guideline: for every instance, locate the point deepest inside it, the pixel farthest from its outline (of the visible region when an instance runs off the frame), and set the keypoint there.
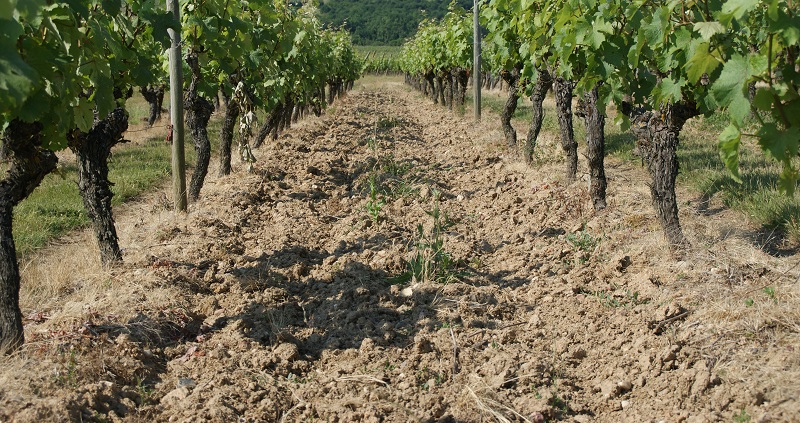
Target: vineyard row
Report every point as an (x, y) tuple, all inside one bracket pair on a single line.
[(67, 69), (658, 63)]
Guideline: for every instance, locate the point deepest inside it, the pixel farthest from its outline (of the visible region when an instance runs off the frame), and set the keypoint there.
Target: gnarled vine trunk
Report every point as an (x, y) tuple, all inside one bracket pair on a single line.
[(595, 121), (317, 105), (657, 134), (29, 164), (154, 95), (198, 112), (197, 117), (512, 79), (281, 122), (92, 150), (440, 88), (429, 79), (269, 123), (462, 79), (540, 88), (562, 89), (226, 132), (450, 89), (296, 113), (287, 114), (335, 90), (215, 100), (274, 134)]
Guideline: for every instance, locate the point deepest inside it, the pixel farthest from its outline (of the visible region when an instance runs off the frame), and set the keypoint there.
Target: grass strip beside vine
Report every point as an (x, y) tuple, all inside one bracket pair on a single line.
[(55, 208), (757, 197)]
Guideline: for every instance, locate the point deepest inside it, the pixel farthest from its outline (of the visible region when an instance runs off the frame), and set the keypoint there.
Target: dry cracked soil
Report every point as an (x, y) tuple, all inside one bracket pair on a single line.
[(391, 262)]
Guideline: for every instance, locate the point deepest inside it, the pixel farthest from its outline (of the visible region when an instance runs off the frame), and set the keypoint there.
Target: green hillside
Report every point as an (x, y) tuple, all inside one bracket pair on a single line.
[(383, 22)]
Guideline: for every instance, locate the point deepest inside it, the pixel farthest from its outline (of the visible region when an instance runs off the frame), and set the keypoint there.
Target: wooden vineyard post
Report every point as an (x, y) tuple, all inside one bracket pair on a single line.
[(476, 62), (176, 111)]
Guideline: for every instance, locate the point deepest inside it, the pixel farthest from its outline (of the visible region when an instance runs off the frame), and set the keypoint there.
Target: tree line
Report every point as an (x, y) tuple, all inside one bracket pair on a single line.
[(382, 22)]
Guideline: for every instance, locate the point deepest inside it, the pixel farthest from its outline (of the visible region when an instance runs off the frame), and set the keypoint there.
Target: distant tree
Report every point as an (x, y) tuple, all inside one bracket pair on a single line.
[(383, 22)]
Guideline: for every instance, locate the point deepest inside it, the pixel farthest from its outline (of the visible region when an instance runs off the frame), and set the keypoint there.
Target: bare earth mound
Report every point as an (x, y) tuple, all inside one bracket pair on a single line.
[(286, 294)]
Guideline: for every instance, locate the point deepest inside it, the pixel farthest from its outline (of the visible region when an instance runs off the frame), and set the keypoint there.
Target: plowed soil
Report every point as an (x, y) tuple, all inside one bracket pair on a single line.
[(390, 261)]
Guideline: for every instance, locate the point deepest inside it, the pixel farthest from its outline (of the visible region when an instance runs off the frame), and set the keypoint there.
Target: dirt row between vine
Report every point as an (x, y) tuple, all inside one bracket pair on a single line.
[(277, 298)]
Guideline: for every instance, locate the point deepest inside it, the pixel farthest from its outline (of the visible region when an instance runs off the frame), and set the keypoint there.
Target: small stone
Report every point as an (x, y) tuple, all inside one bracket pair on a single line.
[(475, 323), (701, 382), (608, 389), (460, 197), (759, 398), (287, 352), (367, 344), (624, 386), (579, 354), (621, 262), (625, 404), (218, 353), (407, 292), (186, 382), (422, 345), (424, 192), (560, 346), (175, 396)]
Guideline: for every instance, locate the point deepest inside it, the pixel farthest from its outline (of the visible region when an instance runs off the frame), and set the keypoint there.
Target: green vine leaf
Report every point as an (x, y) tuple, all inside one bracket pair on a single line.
[(729, 142), (709, 29), (730, 88)]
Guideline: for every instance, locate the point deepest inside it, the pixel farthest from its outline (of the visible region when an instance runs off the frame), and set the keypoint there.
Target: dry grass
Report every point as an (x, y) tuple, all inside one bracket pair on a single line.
[(64, 287), (51, 276), (493, 408)]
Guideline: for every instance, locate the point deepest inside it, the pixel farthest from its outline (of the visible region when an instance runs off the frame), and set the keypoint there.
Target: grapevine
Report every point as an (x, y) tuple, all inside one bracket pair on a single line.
[(66, 70), (441, 54)]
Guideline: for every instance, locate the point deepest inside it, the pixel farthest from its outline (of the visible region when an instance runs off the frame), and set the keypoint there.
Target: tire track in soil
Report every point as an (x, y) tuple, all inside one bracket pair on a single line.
[(291, 315)]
